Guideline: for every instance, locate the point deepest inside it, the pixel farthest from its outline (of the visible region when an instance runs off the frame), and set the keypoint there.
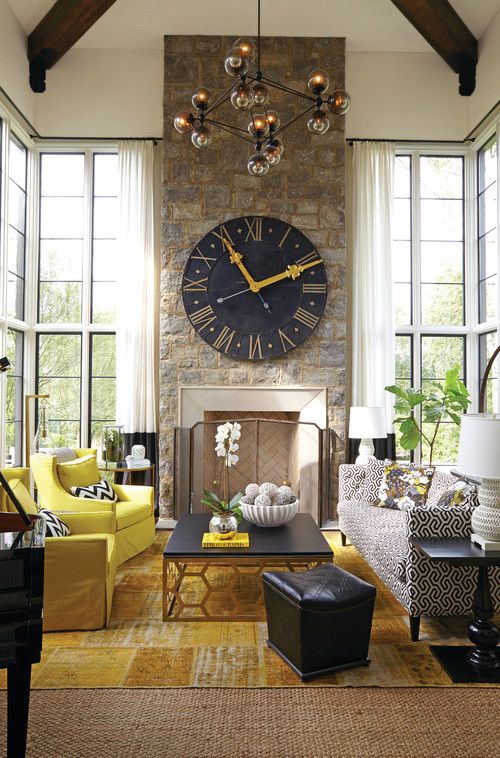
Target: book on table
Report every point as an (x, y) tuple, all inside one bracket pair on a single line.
[(239, 540)]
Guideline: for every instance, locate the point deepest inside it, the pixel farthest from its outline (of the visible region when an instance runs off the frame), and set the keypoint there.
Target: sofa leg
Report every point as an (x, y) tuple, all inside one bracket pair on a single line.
[(343, 538), (414, 628)]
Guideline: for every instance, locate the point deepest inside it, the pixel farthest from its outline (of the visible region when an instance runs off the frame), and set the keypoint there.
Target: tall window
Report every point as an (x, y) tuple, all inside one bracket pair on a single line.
[(16, 228), (428, 273), (487, 232), (14, 399), (77, 299)]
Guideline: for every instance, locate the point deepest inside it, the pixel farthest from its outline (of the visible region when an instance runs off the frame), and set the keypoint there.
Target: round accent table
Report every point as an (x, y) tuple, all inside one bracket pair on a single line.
[(128, 474)]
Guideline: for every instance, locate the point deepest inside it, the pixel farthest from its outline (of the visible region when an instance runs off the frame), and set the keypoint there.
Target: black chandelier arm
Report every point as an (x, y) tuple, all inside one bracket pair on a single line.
[(289, 123), (230, 129), (289, 90), (221, 99), (258, 36)]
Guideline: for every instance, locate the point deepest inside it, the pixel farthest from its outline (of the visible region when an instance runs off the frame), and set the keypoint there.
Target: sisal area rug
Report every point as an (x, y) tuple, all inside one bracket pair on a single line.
[(275, 723), (139, 650)]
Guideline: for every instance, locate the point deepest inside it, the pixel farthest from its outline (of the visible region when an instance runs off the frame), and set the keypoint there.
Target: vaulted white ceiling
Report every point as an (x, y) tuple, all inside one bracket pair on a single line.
[(368, 25)]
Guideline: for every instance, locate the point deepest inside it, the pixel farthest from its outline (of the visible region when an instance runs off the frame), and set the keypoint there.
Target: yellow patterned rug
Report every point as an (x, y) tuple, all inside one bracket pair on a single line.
[(139, 650)]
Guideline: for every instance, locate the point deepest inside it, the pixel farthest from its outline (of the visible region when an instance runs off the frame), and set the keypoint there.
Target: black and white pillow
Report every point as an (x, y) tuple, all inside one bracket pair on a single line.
[(100, 491), (54, 526)]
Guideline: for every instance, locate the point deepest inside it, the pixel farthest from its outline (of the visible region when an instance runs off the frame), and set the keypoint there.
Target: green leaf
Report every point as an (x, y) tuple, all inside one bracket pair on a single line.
[(239, 515), (395, 390), (211, 495), (410, 439), (407, 425), (235, 500), (456, 418)]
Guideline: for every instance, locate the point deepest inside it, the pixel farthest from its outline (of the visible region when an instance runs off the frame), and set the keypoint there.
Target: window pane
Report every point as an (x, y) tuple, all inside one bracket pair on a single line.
[(403, 357), (14, 398), (488, 165), (17, 207), (401, 220), (62, 174), (16, 243), (488, 256), (103, 355), (106, 175), (442, 304), (487, 346), (401, 261), (402, 303), (104, 302), (17, 162), (441, 219), (441, 177), (445, 450), (62, 217), (442, 262), (105, 217), (60, 302), (488, 210), (61, 260), (15, 296), (105, 260), (440, 354), (103, 384), (59, 355), (402, 176), (488, 299), (59, 368)]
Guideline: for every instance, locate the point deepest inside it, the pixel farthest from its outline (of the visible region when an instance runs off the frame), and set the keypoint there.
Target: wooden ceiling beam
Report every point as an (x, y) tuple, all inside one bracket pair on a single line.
[(65, 23), (444, 30)]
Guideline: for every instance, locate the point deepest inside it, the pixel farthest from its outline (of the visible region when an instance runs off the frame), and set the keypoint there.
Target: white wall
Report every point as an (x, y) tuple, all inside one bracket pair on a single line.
[(103, 93), (487, 91), (14, 70)]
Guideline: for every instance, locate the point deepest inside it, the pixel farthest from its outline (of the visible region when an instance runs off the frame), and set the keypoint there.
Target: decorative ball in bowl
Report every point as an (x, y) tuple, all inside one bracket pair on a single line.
[(269, 505)]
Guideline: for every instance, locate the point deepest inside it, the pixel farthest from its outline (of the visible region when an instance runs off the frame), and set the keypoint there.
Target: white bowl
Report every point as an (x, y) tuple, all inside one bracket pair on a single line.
[(269, 515)]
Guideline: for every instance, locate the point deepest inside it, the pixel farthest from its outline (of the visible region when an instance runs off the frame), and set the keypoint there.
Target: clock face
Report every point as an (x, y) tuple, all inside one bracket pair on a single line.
[(254, 287)]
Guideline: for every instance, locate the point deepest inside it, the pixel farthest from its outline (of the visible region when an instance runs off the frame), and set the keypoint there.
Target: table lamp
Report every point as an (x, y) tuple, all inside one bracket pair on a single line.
[(366, 423), (479, 457)]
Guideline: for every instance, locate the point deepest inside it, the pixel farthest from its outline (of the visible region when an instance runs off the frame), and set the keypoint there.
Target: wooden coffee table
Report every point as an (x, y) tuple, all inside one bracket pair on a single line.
[(298, 545)]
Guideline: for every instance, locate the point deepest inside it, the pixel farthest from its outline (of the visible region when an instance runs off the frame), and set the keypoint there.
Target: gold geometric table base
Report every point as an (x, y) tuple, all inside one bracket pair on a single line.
[(181, 602)]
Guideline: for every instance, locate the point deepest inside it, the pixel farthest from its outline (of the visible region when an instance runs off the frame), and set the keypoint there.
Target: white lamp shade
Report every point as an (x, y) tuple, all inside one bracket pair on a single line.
[(479, 449), (367, 423)]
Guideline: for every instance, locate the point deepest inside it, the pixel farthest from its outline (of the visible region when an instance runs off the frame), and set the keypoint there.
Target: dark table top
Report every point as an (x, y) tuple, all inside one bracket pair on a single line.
[(300, 538), (456, 550)]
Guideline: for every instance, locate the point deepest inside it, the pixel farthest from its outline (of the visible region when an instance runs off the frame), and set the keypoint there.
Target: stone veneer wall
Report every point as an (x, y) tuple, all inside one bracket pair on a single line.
[(201, 188)]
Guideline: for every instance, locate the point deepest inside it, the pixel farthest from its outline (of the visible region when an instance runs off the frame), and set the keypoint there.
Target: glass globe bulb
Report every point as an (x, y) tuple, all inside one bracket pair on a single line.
[(246, 48), (339, 102), (258, 165), (275, 142), (242, 97), (202, 98), (201, 136), (261, 93), (183, 122), (318, 81), (273, 120), (235, 64), (272, 153), (258, 126), (318, 123)]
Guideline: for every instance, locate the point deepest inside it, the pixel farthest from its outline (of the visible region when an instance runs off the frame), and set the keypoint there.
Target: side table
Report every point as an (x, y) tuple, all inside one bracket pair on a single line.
[(463, 663), (126, 471)]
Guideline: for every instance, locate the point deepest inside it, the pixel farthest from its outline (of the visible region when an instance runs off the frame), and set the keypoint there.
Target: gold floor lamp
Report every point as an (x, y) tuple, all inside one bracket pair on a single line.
[(41, 430)]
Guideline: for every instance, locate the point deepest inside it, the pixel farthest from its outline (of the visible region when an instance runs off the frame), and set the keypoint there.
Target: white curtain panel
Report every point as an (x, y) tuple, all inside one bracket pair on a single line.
[(372, 317), (136, 286)]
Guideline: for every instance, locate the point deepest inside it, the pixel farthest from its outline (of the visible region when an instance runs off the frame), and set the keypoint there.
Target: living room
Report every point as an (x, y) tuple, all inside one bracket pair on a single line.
[(249, 397)]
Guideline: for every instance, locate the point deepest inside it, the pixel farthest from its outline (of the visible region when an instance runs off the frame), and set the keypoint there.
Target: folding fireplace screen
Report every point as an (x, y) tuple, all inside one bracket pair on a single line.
[(274, 447)]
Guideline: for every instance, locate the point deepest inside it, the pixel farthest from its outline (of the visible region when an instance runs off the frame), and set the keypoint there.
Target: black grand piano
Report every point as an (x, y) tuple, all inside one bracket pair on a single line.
[(22, 539)]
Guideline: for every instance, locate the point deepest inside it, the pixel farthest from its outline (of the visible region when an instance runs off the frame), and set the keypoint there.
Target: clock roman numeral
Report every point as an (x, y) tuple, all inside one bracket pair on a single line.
[(254, 347), (286, 342), (254, 229), (195, 285), (224, 339), (202, 257), (306, 318), (311, 288), (280, 243), (223, 234), (202, 317), (313, 256)]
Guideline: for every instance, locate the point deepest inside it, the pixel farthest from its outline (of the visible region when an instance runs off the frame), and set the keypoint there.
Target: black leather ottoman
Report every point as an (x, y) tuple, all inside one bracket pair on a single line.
[(319, 621)]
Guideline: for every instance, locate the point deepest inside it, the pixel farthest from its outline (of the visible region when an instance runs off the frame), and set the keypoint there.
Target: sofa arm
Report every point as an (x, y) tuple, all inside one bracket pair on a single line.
[(351, 481), (132, 493), (439, 522), (103, 522)]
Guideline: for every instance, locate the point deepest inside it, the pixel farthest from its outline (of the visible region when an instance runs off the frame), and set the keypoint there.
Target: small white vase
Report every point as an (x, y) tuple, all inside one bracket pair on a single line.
[(485, 518)]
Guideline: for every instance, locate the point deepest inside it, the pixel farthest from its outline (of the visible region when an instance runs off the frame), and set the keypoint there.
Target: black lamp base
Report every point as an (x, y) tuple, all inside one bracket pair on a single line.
[(455, 661)]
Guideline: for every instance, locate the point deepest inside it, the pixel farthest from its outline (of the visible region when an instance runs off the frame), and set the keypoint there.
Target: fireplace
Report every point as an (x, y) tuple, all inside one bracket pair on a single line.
[(284, 439)]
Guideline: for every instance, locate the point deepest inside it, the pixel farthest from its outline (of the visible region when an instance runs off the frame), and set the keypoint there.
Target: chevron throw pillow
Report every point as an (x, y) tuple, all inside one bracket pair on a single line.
[(100, 491), (54, 526)]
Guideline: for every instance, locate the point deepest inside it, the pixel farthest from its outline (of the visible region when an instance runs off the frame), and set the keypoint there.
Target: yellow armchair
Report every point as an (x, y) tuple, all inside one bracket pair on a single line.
[(80, 569), (133, 510)]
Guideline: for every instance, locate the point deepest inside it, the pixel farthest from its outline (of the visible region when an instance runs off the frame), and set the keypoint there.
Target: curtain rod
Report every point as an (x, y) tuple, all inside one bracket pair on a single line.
[(100, 139), (351, 140)]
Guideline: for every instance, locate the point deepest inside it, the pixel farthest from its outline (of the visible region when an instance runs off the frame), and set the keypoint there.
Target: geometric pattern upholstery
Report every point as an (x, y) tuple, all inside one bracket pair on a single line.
[(100, 491), (54, 526), (382, 535)]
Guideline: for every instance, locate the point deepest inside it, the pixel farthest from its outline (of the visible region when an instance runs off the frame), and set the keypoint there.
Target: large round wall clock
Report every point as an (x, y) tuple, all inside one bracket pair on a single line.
[(254, 287)]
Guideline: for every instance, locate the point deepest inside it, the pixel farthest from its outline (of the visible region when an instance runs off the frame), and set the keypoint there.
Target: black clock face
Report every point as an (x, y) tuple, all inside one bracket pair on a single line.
[(254, 287)]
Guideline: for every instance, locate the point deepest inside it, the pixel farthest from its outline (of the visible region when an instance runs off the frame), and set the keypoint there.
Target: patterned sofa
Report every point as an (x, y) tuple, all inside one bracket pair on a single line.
[(381, 535)]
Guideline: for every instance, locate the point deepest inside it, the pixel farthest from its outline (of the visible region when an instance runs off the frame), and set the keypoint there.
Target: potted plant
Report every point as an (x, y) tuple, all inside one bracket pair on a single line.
[(443, 401), (226, 511)]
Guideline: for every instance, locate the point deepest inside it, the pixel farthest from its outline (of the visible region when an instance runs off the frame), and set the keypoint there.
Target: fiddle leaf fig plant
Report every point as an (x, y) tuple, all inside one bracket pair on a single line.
[(442, 401)]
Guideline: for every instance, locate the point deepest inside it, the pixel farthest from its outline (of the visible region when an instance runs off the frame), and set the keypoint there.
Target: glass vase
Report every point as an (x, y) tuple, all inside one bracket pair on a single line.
[(224, 525)]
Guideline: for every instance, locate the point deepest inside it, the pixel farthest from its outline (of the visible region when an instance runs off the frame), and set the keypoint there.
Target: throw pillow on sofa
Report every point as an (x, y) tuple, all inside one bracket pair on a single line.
[(404, 486), (54, 526), (81, 472), (100, 491), (462, 493)]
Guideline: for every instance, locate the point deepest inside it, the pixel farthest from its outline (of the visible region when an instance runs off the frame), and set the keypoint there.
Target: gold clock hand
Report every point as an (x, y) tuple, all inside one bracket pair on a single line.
[(292, 272), (237, 258)]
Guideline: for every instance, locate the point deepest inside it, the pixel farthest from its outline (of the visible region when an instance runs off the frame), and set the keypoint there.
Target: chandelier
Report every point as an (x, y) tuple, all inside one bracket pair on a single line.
[(250, 93)]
